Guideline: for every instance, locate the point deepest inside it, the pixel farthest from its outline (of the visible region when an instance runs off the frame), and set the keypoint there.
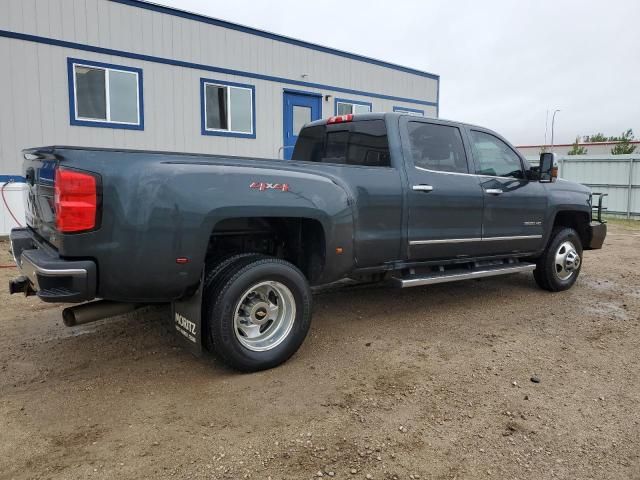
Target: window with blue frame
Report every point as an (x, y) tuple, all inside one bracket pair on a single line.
[(227, 108), (345, 107), (409, 111), (105, 95)]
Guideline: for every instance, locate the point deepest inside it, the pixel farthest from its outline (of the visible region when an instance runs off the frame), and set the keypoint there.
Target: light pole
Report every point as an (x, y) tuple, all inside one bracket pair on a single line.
[(546, 129), (553, 122)]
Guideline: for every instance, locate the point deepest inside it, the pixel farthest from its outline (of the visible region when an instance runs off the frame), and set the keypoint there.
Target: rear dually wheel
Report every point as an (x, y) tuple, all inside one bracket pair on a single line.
[(258, 313)]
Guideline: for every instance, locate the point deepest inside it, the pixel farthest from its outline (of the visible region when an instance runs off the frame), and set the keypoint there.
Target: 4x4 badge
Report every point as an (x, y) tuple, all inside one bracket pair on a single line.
[(262, 186)]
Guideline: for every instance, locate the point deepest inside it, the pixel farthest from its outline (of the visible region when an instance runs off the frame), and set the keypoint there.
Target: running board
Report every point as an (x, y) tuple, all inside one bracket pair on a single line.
[(452, 276)]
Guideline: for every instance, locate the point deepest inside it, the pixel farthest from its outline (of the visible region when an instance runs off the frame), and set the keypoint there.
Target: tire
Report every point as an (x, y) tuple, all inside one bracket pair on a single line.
[(223, 264), (258, 313), (558, 267), (211, 281)]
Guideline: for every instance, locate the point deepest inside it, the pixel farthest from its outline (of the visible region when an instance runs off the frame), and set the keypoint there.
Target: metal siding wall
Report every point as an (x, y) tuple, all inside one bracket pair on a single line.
[(34, 89), (122, 27), (635, 174), (599, 172), (605, 174), (596, 172), (172, 98), (6, 121)]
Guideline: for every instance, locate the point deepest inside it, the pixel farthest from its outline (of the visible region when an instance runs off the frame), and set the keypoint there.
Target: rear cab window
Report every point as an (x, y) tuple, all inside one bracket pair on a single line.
[(359, 143), (437, 147)]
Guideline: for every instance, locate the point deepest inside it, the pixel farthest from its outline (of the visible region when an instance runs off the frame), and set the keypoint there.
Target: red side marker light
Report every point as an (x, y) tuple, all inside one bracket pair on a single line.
[(182, 260)]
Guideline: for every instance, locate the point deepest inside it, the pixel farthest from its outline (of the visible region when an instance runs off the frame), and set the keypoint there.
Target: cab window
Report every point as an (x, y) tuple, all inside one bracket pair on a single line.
[(363, 143), (494, 157), (437, 147)]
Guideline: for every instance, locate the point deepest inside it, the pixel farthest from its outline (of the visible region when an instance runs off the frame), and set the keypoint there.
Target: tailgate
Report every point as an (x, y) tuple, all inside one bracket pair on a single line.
[(39, 171)]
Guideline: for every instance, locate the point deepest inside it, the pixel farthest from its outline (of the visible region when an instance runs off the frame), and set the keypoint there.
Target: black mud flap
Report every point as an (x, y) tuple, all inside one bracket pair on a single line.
[(187, 320)]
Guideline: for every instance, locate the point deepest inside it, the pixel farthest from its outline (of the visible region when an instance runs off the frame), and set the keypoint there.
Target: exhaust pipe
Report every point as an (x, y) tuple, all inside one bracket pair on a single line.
[(92, 311)]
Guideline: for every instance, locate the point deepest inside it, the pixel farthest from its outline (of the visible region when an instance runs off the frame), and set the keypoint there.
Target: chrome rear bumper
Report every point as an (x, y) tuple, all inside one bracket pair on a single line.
[(52, 278)]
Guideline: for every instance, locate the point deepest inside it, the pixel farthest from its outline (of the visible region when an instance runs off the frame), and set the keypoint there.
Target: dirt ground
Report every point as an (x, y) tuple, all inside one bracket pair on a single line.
[(428, 382)]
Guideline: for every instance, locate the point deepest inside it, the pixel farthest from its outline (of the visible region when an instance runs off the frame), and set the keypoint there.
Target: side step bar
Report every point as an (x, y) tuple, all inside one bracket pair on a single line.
[(452, 276)]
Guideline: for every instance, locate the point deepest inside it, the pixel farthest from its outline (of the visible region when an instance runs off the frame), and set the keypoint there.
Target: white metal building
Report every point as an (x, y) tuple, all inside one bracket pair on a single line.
[(132, 74)]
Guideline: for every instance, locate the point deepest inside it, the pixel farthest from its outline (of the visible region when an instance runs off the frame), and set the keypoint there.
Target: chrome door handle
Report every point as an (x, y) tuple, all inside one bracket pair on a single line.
[(422, 188), (493, 191)]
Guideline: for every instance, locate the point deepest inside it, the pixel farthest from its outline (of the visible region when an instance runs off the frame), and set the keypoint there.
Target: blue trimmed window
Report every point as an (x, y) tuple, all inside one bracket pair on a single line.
[(409, 111), (345, 107), (227, 109), (105, 95)]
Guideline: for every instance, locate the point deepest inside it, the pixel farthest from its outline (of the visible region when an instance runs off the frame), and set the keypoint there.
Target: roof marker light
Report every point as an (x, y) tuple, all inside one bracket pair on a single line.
[(340, 119)]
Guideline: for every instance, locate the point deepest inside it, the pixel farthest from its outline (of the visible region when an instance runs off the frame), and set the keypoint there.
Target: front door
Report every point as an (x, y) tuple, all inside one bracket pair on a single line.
[(445, 199), (514, 207), (299, 109)]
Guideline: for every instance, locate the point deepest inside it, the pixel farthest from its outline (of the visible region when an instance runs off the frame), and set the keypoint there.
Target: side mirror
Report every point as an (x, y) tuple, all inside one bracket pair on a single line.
[(533, 174), (548, 167)]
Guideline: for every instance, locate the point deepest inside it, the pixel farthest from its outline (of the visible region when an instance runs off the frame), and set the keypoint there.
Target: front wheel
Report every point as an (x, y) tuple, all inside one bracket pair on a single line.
[(259, 314), (559, 265)]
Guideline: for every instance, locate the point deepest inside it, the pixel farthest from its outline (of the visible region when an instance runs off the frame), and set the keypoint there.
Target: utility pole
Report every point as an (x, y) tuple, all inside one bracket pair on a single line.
[(553, 123)]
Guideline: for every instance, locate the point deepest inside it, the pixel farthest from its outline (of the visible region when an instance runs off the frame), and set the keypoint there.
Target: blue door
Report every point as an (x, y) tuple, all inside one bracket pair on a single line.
[(299, 108)]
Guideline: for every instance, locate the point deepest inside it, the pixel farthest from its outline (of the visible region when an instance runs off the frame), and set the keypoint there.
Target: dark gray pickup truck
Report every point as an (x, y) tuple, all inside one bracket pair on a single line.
[(235, 243)]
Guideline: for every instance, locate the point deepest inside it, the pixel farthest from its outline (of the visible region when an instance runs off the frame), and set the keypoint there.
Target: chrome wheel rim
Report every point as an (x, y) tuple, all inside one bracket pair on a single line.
[(567, 260), (264, 316)]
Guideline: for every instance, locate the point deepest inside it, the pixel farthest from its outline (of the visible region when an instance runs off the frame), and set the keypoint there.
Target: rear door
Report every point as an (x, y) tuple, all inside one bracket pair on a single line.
[(445, 200), (514, 207), (356, 153)]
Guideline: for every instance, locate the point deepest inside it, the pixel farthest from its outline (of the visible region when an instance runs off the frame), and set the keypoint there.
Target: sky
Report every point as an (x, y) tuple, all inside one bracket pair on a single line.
[(503, 64)]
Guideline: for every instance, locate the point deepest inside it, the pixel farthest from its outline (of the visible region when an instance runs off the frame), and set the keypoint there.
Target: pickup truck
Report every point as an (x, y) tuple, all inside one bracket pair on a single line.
[(236, 243)]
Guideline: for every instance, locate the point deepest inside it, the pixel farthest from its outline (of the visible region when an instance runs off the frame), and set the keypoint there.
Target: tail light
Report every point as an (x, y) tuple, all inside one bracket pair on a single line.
[(340, 119), (76, 200)]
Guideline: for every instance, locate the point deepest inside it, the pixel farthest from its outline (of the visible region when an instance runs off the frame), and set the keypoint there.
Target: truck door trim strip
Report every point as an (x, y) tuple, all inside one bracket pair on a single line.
[(515, 237), (463, 174), (462, 240), (444, 240)]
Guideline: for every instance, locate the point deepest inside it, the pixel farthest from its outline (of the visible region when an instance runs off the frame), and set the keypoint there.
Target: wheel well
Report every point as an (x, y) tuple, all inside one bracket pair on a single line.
[(579, 221), (300, 241)]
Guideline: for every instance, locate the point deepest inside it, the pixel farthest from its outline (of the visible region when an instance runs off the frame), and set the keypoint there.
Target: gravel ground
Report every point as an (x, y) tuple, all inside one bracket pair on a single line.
[(429, 382)]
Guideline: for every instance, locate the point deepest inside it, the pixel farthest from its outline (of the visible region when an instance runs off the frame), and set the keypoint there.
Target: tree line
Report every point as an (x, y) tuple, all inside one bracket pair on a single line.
[(622, 147)]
